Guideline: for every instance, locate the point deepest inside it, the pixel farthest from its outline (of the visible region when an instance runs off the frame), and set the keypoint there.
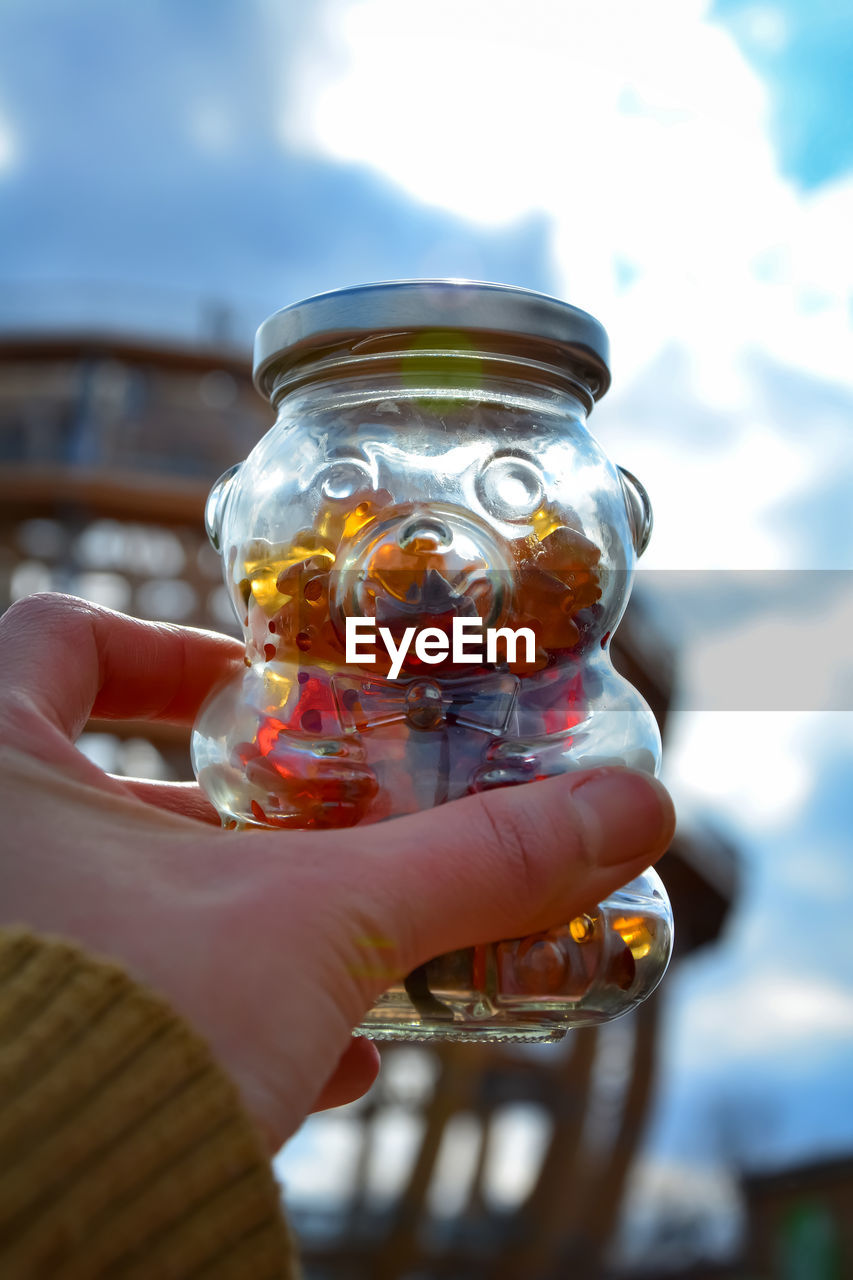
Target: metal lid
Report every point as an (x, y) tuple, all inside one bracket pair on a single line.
[(349, 316)]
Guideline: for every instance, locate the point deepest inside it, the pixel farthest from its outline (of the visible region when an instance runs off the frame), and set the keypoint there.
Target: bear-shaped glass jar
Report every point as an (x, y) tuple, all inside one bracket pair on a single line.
[(429, 553)]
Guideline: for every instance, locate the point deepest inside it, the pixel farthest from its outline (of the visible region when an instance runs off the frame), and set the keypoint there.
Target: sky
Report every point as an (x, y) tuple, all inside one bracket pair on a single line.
[(683, 170)]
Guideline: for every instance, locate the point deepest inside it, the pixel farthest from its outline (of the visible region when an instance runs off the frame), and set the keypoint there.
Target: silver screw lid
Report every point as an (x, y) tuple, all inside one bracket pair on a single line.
[(348, 317)]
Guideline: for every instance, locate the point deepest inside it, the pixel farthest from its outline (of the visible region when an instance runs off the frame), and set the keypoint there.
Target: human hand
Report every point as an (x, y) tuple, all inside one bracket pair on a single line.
[(262, 940)]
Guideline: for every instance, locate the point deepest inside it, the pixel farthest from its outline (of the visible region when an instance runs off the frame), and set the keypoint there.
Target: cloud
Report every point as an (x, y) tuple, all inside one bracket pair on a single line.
[(678, 1212), (180, 210), (8, 147), (764, 27), (769, 1014), (762, 771), (716, 277), (749, 765), (756, 1065), (639, 157), (318, 1163)]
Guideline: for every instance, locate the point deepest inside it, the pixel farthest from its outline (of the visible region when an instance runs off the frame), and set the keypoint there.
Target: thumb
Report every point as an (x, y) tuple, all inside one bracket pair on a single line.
[(504, 863)]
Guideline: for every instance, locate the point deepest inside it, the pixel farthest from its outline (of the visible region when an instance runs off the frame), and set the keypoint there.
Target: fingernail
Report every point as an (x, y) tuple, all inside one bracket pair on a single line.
[(624, 815)]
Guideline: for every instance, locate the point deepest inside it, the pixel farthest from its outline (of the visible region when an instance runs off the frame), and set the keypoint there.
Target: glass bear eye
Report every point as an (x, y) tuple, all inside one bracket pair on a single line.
[(510, 488), (344, 478)]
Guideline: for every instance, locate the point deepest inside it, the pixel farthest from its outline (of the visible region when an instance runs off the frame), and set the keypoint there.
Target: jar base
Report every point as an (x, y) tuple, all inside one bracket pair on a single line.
[(418, 1033), (474, 1019)]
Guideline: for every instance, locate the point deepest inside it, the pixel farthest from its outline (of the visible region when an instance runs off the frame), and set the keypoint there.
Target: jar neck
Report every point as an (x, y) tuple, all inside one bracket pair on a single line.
[(436, 371)]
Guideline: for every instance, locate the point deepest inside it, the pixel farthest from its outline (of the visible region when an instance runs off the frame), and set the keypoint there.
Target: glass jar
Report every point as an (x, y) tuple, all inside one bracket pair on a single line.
[(429, 553)]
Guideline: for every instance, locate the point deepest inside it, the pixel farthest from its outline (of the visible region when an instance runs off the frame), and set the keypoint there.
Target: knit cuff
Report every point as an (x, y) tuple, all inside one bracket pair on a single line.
[(123, 1145)]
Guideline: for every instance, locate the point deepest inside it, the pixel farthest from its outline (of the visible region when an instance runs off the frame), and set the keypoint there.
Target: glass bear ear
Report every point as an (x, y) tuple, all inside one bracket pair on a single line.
[(639, 510), (214, 508)]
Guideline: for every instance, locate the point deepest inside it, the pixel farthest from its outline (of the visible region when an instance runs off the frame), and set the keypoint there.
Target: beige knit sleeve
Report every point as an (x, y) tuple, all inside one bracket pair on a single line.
[(124, 1148)]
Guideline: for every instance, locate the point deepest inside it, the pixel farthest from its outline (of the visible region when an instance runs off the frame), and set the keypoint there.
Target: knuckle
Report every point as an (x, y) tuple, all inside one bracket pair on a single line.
[(510, 837), (44, 609)]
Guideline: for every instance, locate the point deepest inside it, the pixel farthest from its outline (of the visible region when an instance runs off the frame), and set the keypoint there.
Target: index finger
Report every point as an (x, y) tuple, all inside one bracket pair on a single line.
[(72, 659)]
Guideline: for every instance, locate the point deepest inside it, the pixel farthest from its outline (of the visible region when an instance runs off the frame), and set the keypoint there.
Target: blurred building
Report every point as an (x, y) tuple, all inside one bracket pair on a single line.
[(801, 1222), (107, 450), (799, 1227)]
